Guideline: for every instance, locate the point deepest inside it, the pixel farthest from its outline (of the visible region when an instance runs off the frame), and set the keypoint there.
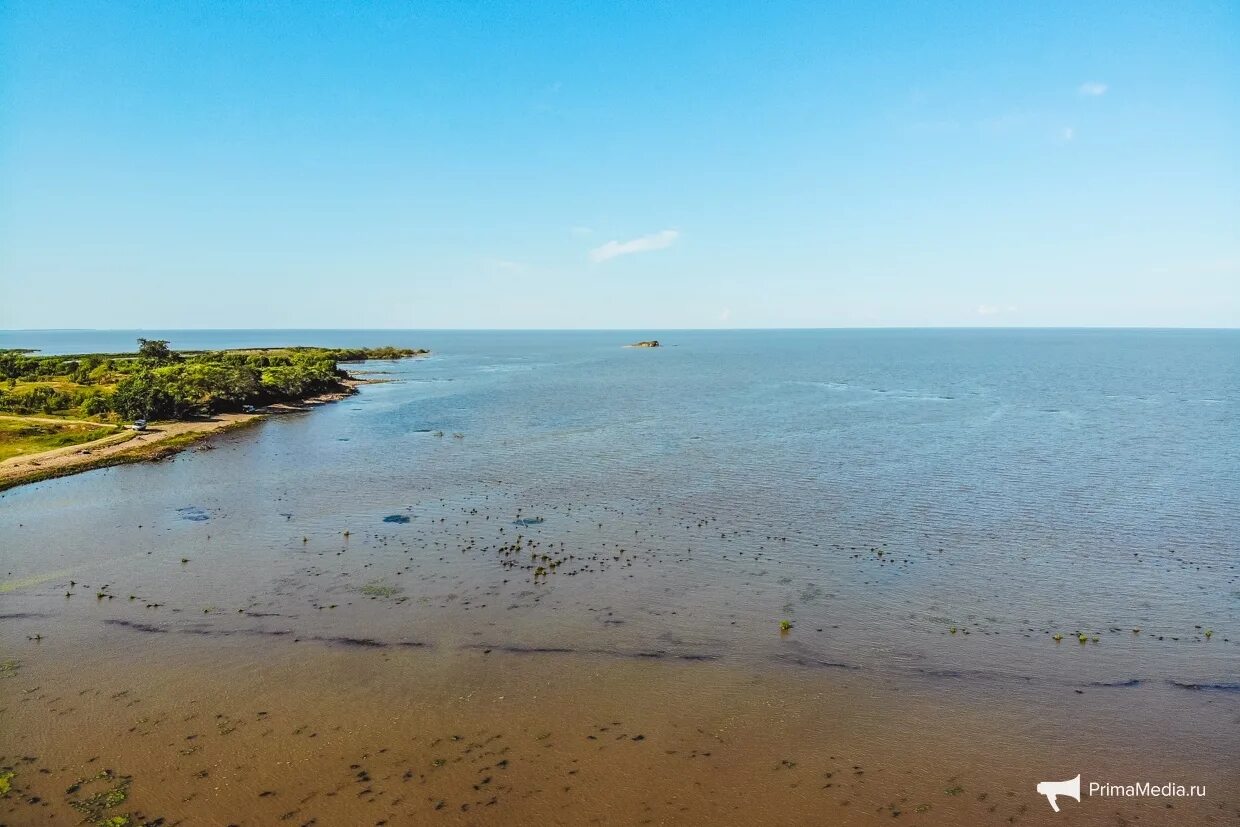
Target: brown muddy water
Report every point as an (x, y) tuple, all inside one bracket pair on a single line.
[(570, 613)]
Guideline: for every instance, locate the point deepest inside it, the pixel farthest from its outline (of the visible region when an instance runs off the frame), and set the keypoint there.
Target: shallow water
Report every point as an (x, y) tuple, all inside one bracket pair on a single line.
[(877, 489)]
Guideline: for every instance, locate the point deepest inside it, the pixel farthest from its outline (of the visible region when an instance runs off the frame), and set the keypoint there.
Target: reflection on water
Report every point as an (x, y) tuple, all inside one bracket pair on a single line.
[(584, 529)]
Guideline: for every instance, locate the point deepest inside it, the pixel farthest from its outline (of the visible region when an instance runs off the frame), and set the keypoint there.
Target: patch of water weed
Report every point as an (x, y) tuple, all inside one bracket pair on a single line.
[(8, 668), (93, 797), (396, 518), (194, 514), (6, 780), (380, 589), (34, 580), (529, 521)]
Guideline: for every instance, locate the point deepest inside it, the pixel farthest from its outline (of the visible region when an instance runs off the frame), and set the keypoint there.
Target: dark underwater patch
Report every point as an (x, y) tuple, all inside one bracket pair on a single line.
[(1208, 687)]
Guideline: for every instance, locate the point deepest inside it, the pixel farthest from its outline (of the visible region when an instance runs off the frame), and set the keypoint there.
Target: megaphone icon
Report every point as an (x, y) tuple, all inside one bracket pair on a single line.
[(1051, 789)]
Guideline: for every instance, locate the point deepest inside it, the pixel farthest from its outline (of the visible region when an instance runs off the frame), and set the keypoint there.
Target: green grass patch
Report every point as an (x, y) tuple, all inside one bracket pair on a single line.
[(18, 437)]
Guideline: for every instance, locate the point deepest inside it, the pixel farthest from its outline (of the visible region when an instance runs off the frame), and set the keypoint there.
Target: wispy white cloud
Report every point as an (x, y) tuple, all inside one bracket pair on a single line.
[(580, 230), (1092, 89), (1067, 133), (726, 315), (644, 244)]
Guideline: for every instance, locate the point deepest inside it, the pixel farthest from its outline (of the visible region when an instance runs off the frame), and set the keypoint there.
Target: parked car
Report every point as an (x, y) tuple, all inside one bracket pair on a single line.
[(139, 425)]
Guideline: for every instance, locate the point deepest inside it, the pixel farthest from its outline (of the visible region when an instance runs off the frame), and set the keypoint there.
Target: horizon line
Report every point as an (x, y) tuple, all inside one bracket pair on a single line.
[(20, 330)]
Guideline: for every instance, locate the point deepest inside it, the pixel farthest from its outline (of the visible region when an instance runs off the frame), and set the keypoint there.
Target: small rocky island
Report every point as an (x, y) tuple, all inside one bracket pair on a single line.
[(647, 343)]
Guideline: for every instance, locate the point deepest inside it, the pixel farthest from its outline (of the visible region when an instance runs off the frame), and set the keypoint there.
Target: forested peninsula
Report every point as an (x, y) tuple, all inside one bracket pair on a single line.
[(63, 414), (159, 383)]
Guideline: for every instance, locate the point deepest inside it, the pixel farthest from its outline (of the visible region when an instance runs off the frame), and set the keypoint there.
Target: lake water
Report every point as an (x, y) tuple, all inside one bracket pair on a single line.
[(585, 540)]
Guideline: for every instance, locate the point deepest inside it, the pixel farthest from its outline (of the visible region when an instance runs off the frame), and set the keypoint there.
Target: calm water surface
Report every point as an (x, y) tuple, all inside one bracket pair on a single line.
[(927, 508)]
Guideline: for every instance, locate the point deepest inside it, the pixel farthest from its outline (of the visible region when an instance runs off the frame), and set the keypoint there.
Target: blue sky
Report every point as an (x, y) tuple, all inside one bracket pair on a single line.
[(618, 165)]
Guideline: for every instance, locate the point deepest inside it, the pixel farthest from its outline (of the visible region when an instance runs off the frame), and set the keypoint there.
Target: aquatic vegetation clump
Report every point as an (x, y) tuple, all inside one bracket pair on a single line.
[(94, 807), (380, 589), (7, 586)]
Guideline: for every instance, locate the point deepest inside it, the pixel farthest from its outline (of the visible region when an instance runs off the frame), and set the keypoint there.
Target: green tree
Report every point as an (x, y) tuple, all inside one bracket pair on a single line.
[(143, 396), (156, 350), (96, 404)]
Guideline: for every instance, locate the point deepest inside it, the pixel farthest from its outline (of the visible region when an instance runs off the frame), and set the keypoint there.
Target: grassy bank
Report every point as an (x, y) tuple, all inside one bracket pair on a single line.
[(145, 452), (25, 435)]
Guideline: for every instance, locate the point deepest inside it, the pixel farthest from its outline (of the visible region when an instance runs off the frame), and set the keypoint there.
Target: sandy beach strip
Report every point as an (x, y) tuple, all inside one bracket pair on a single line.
[(159, 440)]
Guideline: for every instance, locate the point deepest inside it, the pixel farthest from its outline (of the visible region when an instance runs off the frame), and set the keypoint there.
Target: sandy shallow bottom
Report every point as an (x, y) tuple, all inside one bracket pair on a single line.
[(343, 618), (329, 733)]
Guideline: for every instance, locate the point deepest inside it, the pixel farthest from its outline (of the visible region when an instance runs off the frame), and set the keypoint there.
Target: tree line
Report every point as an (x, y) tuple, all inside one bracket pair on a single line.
[(159, 383)]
